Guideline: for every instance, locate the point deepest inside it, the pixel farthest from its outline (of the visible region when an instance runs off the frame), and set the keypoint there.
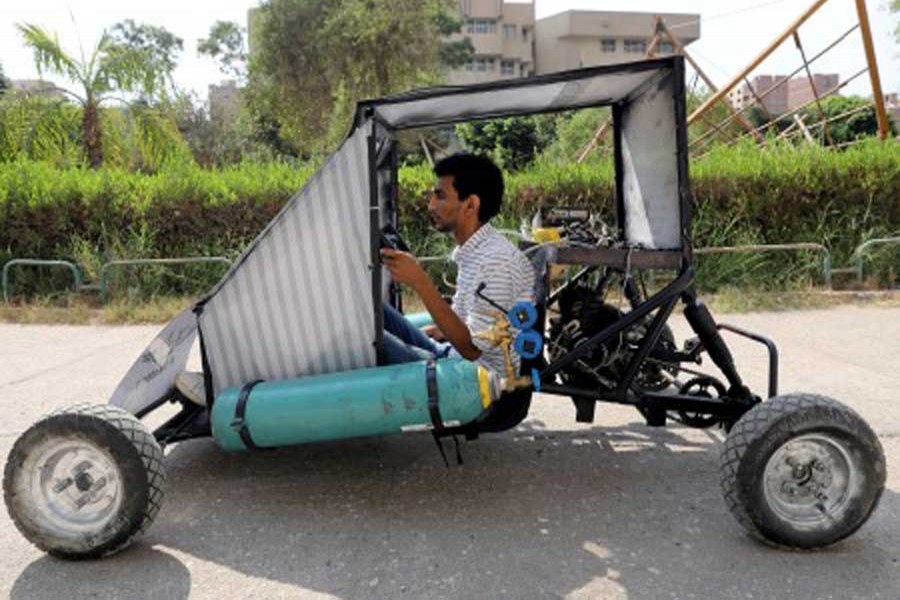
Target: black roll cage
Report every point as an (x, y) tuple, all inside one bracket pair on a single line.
[(654, 405), (193, 421)]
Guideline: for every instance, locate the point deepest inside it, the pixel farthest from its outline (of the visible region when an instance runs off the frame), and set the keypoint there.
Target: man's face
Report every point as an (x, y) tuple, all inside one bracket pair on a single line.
[(444, 207)]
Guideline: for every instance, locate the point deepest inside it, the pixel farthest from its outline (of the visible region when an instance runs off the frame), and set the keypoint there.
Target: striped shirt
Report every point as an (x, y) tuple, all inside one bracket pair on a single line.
[(488, 257)]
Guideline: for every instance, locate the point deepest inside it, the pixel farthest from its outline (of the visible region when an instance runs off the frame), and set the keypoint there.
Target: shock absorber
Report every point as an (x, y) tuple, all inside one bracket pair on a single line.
[(704, 326)]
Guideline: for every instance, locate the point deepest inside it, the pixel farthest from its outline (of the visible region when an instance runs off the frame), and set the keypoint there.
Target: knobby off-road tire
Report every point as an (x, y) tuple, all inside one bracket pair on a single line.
[(802, 471), (84, 482)]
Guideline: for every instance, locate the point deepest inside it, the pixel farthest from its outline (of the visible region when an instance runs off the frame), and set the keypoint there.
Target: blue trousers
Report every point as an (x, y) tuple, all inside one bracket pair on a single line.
[(404, 342)]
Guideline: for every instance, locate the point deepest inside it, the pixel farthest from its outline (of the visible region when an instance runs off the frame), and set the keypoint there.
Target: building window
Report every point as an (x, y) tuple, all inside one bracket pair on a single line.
[(636, 46), (524, 34), (509, 32), (608, 45), (481, 26), (484, 64), (666, 47), (470, 66), (507, 67)]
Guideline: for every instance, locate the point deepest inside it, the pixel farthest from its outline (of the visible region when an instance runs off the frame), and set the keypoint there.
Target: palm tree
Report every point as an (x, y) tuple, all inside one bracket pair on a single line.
[(111, 67)]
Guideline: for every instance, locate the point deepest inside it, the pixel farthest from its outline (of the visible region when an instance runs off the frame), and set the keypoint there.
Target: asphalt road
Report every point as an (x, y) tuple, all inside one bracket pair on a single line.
[(551, 509)]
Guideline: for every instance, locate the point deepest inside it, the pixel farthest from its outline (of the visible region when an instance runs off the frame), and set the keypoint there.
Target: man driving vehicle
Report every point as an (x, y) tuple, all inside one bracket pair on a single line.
[(467, 195)]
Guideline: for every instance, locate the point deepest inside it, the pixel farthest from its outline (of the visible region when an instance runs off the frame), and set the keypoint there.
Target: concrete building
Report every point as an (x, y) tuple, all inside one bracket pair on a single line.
[(502, 34), (787, 96), (775, 102), (582, 38), (224, 101), (36, 87), (892, 106), (800, 91), (510, 43)]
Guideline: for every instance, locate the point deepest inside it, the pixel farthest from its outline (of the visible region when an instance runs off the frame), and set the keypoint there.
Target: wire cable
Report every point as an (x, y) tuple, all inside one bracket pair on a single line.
[(727, 14)]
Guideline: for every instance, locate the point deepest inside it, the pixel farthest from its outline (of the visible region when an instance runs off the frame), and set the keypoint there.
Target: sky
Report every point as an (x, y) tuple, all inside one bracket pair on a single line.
[(732, 33)]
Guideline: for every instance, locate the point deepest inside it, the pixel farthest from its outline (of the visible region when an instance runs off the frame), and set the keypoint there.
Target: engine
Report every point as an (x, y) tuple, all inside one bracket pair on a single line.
[(583, 313)]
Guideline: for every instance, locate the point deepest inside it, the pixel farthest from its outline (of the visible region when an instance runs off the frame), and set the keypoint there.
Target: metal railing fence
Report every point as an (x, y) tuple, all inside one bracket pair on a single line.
[(857, 262)]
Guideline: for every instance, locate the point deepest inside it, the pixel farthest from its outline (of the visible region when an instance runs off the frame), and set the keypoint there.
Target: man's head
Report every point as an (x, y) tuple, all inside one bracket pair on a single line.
[(468, 193)]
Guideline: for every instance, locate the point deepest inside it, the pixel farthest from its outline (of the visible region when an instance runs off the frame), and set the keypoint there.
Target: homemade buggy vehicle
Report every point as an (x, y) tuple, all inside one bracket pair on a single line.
[(290, 340)]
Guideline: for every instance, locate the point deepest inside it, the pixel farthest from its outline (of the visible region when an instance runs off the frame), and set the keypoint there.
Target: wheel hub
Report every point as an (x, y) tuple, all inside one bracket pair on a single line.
[(84, 481), (809, 479), (75, 486)]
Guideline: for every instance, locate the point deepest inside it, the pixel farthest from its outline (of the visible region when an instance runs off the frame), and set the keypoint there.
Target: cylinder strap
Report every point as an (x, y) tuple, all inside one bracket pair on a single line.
[(435, 412), (240, 409), (433, 408)]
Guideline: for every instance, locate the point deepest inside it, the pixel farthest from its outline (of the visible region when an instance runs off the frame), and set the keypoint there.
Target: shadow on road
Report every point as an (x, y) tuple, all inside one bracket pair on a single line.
[(602, 512), (141, 572)]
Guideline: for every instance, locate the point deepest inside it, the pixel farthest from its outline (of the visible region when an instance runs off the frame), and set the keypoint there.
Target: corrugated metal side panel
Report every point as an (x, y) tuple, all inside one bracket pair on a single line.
[(650, 168), (300, 301)]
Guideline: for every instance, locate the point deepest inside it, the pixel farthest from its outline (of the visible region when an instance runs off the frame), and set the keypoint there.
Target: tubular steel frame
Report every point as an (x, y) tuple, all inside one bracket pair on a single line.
[(793, 31), (719, 130), (728, 409)]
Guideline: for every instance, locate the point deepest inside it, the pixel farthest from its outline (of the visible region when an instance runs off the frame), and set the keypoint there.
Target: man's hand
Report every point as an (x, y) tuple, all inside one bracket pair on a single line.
[(404, 268), (434, 332)]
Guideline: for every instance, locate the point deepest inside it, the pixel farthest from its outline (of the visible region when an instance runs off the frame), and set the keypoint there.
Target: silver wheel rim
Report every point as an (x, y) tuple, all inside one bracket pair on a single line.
[(810, 480), (75, 486)]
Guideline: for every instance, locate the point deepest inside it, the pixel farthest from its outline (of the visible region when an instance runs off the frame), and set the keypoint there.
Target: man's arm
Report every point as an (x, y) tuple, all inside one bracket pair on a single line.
[(406, 270), (455, 331)]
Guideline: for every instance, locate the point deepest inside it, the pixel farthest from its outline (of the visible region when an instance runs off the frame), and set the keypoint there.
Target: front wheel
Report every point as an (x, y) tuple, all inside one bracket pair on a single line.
[(802, 471), (84, 482)]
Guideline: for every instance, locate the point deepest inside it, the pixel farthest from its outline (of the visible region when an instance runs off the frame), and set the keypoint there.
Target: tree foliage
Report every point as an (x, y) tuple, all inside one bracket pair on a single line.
[(139, 137), (453, 53), (226, 45), (846, 129), (160, 48), (39, 128), (513, 142), (576, 130), (116, 64), (312, 60), (4, 85), (895, 7)]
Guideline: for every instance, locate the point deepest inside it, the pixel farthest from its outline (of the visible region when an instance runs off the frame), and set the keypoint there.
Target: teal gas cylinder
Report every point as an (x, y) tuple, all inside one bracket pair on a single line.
[(420, 319), (357, 403)]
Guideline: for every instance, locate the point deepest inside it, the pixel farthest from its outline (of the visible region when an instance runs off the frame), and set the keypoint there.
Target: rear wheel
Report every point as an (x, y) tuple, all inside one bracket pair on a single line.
[(84, 482), (802, 471)]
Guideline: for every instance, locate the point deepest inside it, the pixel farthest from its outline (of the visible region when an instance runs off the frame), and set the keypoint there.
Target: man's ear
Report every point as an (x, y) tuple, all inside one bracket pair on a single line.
[(476, 203)]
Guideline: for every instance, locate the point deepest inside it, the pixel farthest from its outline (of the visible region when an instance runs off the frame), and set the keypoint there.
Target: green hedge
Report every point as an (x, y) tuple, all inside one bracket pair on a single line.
[(742, 195)]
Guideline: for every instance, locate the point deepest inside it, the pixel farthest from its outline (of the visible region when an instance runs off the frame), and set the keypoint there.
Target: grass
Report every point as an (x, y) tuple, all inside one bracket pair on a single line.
[(735, 300), (742, 196), (77, 309)]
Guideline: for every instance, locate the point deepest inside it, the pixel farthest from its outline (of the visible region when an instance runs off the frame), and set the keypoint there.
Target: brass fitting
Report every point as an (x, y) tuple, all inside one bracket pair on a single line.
[(499, 335)]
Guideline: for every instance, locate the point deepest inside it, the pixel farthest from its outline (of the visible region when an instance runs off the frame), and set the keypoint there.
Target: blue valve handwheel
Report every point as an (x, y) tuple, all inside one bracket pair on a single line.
[(529, 344), (523, 315)]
